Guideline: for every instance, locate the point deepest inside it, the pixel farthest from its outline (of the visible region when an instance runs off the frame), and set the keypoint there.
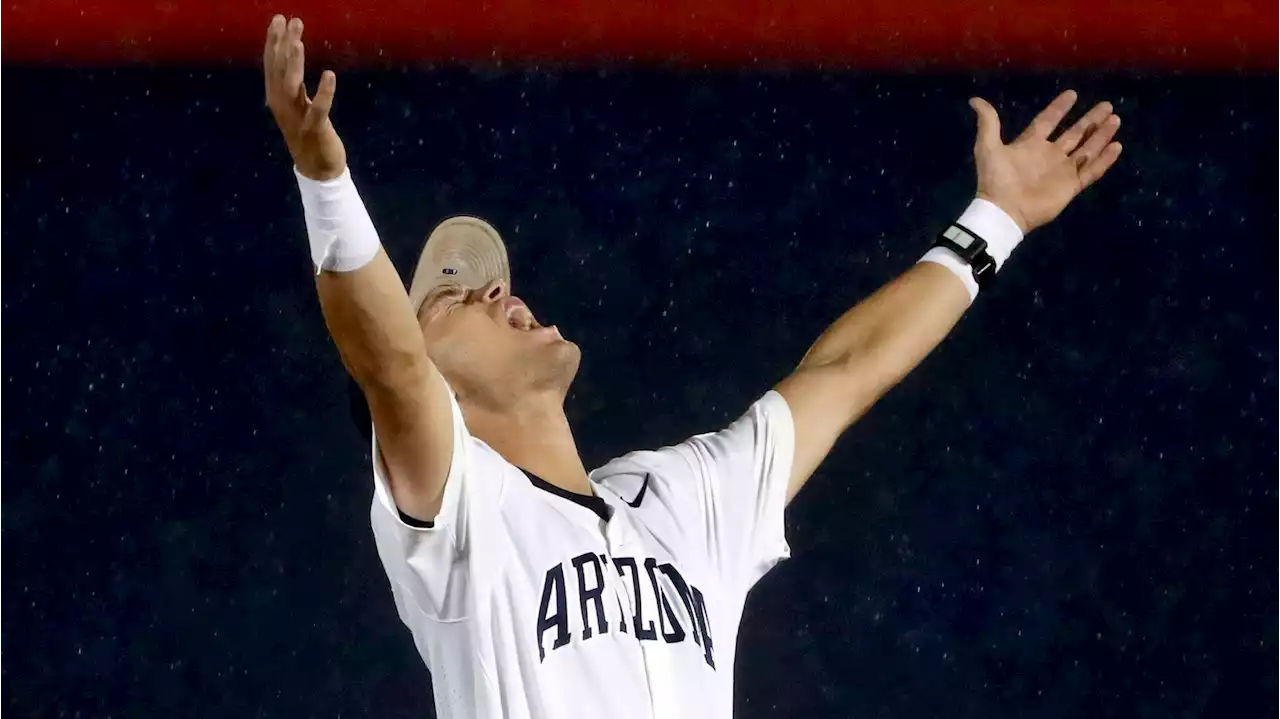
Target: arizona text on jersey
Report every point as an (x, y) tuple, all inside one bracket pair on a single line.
[(527, 601)]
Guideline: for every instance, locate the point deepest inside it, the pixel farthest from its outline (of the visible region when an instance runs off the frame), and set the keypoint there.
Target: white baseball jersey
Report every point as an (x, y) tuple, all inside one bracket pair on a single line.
[(530, 602)]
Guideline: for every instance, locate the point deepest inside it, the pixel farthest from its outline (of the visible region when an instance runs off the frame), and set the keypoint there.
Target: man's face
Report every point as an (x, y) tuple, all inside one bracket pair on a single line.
[(489, 346)]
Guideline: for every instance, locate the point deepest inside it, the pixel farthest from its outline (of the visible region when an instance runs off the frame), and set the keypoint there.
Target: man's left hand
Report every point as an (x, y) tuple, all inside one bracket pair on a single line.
[(1033, 179)]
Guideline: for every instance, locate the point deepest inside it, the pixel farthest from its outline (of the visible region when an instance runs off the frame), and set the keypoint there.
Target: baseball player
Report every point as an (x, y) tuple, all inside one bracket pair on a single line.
[(535, 588)]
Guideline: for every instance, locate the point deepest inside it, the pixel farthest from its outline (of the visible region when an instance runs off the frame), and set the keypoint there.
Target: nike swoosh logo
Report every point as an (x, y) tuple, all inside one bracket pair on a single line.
[(640, 496)]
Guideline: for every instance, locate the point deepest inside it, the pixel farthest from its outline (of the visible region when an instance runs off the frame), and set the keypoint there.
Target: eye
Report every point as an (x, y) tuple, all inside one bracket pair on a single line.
[(442, 300), (455, 293)]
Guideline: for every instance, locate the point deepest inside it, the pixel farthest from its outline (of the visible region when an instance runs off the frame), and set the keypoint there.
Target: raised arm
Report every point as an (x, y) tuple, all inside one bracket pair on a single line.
[(1021, 186), (363, 299)]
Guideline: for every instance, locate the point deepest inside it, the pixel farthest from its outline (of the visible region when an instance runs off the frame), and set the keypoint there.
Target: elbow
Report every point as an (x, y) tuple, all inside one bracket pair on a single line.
[(865, 375)]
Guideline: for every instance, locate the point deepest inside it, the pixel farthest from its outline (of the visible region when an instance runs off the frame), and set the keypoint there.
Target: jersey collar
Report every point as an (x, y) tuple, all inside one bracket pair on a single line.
[(590, 501)]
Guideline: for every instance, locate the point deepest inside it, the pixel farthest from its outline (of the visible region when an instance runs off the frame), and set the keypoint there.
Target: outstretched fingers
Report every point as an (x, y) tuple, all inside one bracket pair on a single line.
[(1095, 143), (1049, 118), (1071, 139), (271, 49), (1098, 153), (295, 57)]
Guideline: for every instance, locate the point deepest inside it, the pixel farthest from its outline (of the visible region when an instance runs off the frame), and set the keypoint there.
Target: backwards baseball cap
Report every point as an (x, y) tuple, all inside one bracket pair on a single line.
[(462, 250)]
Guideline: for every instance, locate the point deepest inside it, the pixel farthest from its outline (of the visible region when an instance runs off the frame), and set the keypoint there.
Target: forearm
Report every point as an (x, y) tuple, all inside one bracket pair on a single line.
[(368, 315), (865, 353), (886, 335), (364, 302), (875, 344)]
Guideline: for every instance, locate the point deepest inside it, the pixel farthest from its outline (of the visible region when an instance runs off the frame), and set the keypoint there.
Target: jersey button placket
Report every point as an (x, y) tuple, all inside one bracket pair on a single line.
[(615, 540)]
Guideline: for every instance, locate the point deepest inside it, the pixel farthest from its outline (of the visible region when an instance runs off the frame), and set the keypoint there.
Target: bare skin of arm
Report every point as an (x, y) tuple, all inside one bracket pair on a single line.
[(366, 310), (874, 345), (863, 355)]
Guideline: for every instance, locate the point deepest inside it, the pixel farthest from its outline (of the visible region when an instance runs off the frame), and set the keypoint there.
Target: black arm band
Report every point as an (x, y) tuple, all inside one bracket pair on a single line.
[(970, 248)]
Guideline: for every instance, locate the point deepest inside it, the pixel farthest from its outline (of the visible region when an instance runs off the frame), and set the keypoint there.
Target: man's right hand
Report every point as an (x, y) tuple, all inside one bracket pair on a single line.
[(304, 121)]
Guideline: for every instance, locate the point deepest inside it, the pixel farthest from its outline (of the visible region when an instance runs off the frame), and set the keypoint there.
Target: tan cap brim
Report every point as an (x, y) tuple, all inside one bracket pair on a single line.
[(461, 250)]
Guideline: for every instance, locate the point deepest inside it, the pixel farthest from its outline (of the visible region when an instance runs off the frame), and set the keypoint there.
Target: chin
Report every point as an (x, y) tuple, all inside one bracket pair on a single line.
[(559, 362), (569, 354)]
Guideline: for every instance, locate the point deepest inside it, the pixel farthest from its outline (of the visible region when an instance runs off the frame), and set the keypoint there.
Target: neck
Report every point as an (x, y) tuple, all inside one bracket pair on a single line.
[(535, 436)]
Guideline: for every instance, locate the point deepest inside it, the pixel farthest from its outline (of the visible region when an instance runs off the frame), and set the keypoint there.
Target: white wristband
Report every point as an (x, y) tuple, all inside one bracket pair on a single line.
[(341, 233), (986, 220), (958, 267)]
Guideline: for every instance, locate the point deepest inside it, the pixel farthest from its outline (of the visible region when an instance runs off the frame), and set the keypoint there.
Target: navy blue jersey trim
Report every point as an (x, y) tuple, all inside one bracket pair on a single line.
[(415, 523), (590, 501)]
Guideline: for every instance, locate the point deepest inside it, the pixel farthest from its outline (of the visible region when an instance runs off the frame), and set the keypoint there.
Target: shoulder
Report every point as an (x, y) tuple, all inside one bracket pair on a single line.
[(768, 414)]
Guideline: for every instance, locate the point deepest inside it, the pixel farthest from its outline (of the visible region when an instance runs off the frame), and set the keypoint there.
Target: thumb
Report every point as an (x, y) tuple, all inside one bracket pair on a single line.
[(322, 103), (988, 124)]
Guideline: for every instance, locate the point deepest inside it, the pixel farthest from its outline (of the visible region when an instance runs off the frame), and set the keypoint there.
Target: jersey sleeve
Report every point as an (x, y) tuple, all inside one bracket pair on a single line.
[(725, 490), (434, 567)]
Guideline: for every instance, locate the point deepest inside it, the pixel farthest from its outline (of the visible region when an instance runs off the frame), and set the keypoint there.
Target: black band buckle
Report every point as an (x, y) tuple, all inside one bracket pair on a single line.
[(972, 249)]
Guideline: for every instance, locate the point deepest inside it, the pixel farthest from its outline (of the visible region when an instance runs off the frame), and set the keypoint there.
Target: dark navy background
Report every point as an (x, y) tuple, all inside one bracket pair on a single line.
[(1068, 510)]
